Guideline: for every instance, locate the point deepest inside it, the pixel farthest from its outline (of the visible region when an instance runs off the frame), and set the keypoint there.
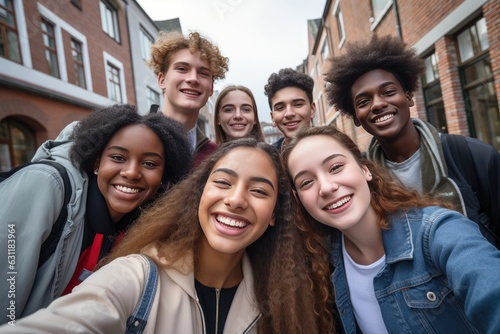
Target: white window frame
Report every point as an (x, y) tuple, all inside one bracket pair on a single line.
[(340, 22), (59, 25), (118, 64), (104, 9), (146, 40), (376, 20), (324, 45)]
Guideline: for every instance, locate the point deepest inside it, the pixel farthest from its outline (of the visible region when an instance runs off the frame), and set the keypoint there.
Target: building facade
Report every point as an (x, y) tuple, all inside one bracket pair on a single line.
[(459, 41), (58, 60)]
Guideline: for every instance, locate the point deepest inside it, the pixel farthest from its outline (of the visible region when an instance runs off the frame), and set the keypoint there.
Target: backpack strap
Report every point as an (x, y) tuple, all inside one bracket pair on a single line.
[(50, 244), (137, 321), (154, 109), (460, 149)]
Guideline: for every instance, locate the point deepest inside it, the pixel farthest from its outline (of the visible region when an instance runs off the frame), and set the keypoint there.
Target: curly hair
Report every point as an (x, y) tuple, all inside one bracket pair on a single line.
[(388, 196), (288, 77), (220, 135), (388, 53), (170, 42), (287, 286), (92, 134)]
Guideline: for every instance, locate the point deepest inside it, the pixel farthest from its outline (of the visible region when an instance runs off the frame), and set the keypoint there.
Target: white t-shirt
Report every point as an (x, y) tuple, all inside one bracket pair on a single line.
[(360, 282), (408, 171)]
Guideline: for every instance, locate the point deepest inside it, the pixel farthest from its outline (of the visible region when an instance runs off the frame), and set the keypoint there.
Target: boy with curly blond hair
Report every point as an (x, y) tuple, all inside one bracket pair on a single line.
[(187, 68)]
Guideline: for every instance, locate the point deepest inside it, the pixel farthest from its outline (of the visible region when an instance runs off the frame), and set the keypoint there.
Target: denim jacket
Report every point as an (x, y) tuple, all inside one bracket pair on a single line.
[(440, 276)]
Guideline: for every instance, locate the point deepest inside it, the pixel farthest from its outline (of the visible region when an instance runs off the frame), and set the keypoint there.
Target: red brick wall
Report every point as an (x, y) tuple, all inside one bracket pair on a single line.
[(88, 22), (450, 86), (46, 117), (419, 17), (491, 13)]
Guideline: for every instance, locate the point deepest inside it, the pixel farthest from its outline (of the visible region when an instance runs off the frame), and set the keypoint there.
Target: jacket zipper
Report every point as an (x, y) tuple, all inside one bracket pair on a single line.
[(217, 298)]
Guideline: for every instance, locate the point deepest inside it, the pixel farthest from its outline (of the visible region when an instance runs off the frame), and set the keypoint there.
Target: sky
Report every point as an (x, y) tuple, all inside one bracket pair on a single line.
[(259, 37)]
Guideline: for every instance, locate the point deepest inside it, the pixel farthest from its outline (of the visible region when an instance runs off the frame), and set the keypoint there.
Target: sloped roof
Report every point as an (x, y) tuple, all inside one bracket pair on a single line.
[(169, 25)]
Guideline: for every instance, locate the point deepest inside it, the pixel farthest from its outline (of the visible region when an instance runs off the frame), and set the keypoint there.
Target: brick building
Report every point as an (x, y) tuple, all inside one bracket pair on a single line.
[(58, 60), (459, 41)]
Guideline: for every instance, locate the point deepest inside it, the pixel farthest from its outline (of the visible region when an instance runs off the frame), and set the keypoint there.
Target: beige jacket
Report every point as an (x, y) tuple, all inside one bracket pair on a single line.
[(104, 302)]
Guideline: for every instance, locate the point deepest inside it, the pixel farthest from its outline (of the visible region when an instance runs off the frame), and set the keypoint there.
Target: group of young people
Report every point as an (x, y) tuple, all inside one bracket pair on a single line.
[(308, 236)]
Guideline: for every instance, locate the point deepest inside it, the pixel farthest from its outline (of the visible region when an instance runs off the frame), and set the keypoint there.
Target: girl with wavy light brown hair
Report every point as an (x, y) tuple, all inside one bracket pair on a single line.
[(236, 115)]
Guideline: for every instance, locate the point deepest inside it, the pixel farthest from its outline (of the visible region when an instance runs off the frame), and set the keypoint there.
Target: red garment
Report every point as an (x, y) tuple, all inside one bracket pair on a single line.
[(87, 262)]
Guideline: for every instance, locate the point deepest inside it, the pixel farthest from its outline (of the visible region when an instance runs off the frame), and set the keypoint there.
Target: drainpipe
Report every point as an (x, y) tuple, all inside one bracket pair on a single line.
[(396, 14)]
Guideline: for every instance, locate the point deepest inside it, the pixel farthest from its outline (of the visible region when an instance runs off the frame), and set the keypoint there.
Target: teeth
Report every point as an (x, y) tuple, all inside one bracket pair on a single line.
[(230, 222), (127, 190), (384, 118), (292, 124), (191, 92), (339, 203)]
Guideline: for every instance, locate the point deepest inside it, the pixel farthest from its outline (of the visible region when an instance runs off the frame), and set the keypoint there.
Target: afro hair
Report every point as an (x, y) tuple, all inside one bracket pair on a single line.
[(388, 53)]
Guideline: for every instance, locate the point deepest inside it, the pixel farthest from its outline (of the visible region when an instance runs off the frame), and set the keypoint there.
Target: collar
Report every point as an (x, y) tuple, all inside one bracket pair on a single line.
[(191, 134), (434, 171), (398, 240)]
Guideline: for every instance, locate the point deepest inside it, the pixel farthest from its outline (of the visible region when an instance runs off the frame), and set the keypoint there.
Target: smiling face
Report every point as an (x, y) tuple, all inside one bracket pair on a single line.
[(238, 201), (382, 106), (330, 183), (187, 84), (236, 114), (291, 110), (130, 169)]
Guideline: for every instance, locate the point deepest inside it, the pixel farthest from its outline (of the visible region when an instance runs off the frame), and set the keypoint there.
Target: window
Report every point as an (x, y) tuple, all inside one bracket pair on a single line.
[(379, 7), (50, 47), (340, 24), (477, 83), (76, 54), (77, 3), (153, 96), (324, 49), (9, 38), (109, 20), (146, 42), (431, 86), (17, 144), (114, 87), (473, 41)]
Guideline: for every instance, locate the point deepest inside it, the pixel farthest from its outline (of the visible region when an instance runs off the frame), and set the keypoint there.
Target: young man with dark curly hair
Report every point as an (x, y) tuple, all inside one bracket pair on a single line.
[(289, 93), (187, 68), (373, 83)]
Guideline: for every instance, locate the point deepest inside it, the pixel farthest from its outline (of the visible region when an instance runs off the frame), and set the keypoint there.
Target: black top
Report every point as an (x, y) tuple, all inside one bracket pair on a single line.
[(98, 220), (208, 301)]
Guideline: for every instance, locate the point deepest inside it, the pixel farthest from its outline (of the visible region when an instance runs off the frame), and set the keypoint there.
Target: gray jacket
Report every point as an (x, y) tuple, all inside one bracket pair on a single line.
[(30, 202)]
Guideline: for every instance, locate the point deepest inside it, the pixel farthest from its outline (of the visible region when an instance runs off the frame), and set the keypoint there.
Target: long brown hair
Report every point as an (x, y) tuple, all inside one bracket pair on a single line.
[(220, 135), (290, 274), (387, 194)]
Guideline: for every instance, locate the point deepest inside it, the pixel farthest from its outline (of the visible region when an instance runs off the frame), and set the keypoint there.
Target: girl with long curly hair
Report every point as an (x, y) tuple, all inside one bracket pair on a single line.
[(401, 261), (231, 258)]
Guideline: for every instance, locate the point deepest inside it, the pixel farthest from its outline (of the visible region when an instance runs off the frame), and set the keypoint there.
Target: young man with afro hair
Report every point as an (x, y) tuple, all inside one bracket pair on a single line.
[(289, 94), (187, 68), (373, 83)]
